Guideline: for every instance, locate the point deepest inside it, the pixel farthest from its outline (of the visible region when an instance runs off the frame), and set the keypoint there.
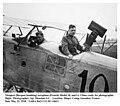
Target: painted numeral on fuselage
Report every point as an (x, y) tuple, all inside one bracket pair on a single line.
[(84, 78), (91, 87), (84, 74)]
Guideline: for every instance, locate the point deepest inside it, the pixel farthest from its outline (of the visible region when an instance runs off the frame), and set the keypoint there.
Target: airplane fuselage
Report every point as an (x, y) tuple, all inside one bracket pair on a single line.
[(45, 69)]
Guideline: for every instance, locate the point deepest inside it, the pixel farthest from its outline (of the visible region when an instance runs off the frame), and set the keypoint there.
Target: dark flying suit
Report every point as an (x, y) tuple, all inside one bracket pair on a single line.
[(34, 41)]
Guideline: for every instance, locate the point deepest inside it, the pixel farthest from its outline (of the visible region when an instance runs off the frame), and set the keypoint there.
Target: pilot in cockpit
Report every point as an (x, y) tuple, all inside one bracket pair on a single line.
[(70, 44), (36, 40)]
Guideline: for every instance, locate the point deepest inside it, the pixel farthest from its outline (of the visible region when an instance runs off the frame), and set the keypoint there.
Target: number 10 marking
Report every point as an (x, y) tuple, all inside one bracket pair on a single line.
[(83, 75)]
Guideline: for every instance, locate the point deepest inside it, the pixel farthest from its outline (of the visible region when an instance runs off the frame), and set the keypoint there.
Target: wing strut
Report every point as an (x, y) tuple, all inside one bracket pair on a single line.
[(7, 30)]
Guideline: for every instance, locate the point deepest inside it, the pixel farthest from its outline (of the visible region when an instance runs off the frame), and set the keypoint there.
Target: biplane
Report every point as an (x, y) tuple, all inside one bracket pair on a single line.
[(45, 69)]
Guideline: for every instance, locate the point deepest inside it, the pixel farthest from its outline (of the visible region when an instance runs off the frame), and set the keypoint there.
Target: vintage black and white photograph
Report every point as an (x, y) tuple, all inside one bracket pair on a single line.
[(60, 47)]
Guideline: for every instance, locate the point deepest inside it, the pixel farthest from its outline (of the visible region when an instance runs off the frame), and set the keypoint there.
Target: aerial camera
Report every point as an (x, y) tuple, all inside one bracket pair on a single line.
[(96, 30)]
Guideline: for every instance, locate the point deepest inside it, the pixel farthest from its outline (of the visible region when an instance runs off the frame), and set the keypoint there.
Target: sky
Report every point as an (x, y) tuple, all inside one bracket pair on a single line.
[(80, 14)]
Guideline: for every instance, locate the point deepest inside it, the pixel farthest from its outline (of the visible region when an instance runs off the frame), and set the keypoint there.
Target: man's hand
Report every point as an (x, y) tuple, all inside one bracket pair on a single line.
[(70, 56), (84, 48)]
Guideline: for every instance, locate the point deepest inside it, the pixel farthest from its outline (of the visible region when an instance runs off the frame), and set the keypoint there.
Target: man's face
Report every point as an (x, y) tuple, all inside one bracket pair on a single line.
[(39, 37), (72, 31)]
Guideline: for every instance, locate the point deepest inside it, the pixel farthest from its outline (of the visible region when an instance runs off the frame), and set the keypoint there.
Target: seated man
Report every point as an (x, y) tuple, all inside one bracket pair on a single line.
[(36, 40), (70, 44), (39, 38)]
